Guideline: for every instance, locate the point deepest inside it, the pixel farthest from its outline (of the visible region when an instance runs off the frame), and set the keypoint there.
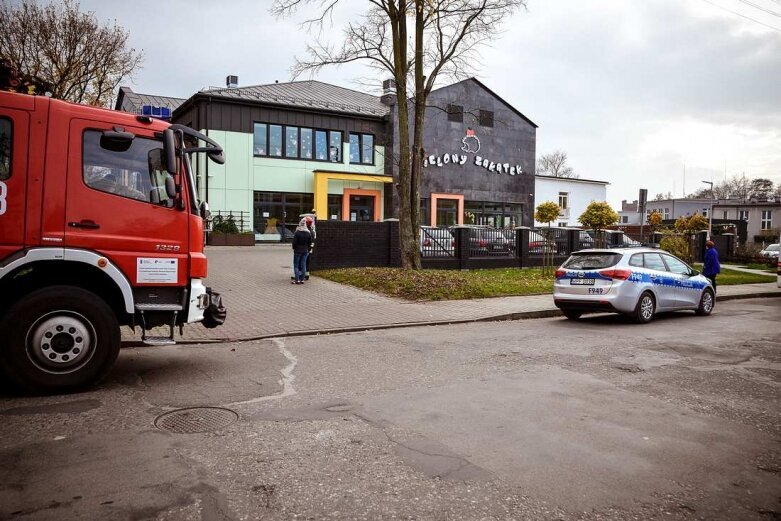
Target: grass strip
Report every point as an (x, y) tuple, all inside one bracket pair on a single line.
[(425, 285), (443, 284)]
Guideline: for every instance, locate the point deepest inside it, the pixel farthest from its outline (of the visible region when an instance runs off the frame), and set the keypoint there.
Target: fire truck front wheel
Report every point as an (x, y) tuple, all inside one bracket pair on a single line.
[(60, 338)]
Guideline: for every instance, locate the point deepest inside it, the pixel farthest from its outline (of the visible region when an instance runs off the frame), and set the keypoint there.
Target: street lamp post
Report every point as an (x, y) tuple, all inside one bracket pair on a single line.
[(710, 212)]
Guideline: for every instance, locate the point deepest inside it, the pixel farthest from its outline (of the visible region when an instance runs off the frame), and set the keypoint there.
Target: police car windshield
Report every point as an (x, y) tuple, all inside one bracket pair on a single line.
[(591, 261)]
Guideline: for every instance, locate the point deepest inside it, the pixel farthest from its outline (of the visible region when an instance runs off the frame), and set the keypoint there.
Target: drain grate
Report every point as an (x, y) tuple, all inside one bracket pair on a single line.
[(195, 419)]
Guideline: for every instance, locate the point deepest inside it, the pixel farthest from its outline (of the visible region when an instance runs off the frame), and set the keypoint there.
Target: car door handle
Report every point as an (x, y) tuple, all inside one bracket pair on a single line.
[(85, 223)]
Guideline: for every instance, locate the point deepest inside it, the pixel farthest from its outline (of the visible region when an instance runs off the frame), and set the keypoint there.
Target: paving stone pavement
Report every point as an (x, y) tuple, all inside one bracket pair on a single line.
[(261, 301)]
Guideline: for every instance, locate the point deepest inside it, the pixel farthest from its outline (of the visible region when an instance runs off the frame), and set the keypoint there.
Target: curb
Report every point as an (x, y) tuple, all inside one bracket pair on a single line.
[(520, 315)]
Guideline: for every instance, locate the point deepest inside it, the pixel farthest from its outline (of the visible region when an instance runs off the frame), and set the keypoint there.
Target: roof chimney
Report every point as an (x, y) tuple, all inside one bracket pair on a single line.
[(388, 92), (231, 82), (389, 86)]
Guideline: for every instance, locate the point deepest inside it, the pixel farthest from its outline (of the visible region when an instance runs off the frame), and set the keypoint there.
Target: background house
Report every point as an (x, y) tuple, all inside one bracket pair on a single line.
[(572, 196)]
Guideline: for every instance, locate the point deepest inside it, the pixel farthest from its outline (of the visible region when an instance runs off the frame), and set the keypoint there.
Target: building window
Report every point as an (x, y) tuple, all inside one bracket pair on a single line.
[(334, 207), (291, 142), (276, 214), (362, 149), (743, 215), (299, 143), (260, 139), (666, 213), (494, 214), (486, 118), (562, 225), (705, 212), (455, 113), (306, 143), (725, 214), (367, 149), (275, 140), (335, 147), (321, 145), (767, 220), (563, 200), (355, 148), (624, 219)]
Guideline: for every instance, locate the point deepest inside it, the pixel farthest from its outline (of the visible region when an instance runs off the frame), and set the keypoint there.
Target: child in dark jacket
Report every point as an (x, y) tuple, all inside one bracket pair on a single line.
[(302, 241)]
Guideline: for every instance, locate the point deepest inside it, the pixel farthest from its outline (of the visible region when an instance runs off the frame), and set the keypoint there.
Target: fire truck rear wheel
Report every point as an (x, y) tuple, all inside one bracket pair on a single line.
[(60, 338)]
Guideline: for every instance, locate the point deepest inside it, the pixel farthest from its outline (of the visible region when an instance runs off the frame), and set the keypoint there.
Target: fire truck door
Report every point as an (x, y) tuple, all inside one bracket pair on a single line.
[(117, 204), (14, 135)]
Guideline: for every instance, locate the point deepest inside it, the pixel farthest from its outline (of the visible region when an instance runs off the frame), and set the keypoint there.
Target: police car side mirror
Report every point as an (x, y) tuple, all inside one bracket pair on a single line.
[(694, 273)]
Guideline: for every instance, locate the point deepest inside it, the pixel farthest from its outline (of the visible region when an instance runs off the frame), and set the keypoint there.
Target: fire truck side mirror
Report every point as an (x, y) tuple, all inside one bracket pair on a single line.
[(170, 187), (169, 146), (205, 212)]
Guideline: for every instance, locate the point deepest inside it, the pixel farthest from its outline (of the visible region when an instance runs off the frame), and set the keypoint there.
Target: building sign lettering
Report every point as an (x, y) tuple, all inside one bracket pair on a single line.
[(472, 144)]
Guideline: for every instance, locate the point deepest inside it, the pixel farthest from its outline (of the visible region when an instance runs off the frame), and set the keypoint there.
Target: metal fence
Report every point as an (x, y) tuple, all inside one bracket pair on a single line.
[(437, 242), (491, 242), (549, 241), (242, 219)]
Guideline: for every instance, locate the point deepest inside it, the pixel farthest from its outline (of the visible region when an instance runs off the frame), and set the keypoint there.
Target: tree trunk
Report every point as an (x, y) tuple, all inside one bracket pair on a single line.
[(407, 229), (417, 143)]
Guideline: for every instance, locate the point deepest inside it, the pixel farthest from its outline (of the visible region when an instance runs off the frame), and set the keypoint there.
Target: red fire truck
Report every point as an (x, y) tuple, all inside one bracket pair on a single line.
[(100, 227)]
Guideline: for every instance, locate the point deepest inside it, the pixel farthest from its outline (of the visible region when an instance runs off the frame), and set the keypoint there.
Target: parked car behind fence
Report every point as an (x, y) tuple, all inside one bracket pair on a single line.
[(436, 242)]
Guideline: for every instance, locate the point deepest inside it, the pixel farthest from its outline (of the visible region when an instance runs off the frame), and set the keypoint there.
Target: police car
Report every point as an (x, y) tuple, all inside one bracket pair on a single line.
[(639, 282)]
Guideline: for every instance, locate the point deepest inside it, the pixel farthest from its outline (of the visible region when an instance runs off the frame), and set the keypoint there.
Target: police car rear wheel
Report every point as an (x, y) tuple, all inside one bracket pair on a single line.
[(706, 303), (645, 309)]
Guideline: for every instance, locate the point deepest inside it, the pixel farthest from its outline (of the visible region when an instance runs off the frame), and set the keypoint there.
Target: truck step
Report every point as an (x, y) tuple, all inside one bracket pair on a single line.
[(159, 307), (158, 341)]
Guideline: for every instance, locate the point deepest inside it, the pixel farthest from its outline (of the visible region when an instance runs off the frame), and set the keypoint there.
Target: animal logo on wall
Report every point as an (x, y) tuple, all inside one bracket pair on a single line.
[(470, 143)]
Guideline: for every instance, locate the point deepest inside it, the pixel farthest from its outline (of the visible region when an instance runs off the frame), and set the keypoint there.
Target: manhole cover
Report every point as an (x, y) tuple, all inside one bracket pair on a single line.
[(195, 419)]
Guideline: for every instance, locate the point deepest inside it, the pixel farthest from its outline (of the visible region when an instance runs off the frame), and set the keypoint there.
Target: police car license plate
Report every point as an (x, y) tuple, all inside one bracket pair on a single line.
[(581, 282)]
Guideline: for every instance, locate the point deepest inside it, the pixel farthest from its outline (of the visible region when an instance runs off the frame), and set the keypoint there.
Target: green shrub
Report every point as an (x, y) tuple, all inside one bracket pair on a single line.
[(676, 245), (222, 224)]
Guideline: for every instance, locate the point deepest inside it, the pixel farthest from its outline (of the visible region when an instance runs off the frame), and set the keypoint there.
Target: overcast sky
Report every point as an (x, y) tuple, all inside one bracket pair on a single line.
[(632, 91)]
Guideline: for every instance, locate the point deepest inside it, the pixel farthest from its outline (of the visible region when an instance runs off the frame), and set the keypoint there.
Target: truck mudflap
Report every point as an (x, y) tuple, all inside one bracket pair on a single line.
[(215, 313)]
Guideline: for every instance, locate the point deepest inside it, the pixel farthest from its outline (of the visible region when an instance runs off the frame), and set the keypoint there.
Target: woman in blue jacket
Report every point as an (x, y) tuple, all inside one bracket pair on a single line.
[(711, 266)]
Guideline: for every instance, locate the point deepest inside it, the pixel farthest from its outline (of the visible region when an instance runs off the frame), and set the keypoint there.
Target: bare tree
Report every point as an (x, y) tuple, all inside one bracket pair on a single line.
[(416, 42), (737, 187), (663, 197), (555, 165), (82, 60)]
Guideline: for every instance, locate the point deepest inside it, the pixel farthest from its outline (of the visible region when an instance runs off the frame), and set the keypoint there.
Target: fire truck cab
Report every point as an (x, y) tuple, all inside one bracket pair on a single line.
[(100, 227)]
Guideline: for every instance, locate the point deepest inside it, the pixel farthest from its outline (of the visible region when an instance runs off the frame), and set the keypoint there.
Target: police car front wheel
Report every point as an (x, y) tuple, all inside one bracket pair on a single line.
[(707, 300)]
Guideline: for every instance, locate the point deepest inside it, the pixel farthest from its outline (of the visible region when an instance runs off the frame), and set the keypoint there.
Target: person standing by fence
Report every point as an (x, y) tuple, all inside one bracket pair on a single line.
[(302, 242), (711, 266)]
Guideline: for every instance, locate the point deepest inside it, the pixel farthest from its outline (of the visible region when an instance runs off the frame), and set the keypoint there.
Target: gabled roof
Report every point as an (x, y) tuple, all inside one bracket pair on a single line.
[(495, 95), (137, 100), (307, 94)]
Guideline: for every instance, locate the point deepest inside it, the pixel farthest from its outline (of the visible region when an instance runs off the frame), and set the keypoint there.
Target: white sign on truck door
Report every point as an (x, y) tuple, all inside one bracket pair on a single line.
[(157, 270)]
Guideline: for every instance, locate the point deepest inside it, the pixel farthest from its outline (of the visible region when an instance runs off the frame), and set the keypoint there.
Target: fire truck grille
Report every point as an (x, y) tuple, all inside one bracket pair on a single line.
[(195, 419)]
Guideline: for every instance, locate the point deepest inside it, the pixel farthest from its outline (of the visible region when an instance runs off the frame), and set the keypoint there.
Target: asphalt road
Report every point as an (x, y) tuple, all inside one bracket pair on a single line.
[(534, 419)]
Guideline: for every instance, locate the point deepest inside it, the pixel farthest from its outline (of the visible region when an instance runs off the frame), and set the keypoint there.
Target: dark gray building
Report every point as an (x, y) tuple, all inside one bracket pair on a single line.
[(480, 157), (147, 104)]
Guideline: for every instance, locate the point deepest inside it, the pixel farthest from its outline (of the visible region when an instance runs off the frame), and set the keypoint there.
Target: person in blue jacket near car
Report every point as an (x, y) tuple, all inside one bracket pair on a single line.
[(711, 266)]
